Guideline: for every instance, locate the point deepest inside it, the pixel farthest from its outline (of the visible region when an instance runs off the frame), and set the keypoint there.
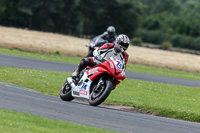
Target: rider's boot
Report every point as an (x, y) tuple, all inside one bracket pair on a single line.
[(83, 64), (76, 73)]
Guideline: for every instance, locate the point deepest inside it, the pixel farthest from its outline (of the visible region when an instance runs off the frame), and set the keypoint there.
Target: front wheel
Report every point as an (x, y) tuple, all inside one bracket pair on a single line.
[(98, 96), (65, 92)]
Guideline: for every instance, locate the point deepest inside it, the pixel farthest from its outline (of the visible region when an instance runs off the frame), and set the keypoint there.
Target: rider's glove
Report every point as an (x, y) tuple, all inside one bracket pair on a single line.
[(97, 56), (92, 45)]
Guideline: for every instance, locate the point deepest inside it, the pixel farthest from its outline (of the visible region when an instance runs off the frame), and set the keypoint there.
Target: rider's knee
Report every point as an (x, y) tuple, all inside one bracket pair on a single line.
[(86, 61)]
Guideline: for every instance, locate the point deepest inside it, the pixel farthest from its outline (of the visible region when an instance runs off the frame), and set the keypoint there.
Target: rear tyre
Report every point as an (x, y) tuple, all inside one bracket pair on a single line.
[(65, 92), (97, 98)]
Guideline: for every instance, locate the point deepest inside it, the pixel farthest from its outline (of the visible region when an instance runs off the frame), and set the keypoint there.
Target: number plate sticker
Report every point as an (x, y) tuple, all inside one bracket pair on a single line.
[(82, 92), (84, 86), (118, 64)]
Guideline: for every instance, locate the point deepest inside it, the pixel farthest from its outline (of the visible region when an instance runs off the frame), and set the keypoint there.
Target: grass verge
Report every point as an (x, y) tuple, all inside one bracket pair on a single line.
[(75, 60), (16, 122), (160, 99)]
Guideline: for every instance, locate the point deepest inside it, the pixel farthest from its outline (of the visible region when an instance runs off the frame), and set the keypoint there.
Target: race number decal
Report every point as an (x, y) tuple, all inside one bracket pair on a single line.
[(119, 65), (84, 86), (82, 92)]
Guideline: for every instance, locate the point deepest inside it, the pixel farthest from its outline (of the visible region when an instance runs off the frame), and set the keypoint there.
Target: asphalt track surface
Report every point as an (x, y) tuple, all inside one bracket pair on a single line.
[(15, 98), (29, 63), (52, 107)]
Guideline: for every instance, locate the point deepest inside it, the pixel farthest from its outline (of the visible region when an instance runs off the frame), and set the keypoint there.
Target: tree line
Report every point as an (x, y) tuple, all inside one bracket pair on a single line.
[(75, 17), (176, 21), (154, 21)]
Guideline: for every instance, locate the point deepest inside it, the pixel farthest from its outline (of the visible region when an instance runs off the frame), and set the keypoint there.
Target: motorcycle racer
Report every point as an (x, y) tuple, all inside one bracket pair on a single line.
[(116, 49), (107, 37)]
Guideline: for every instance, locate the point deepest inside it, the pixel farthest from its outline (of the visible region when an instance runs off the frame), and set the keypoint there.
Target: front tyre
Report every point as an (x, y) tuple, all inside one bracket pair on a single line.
[(65, 92), (97, 98)]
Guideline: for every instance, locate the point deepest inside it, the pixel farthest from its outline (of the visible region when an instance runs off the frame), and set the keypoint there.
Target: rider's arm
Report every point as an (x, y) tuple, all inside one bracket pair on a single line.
[(98, 44), (126, 56), (97, 53), (125, 60), (100, 36)]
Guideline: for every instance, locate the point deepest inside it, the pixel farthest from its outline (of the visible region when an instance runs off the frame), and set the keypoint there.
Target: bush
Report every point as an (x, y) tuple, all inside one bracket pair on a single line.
[(197, 43), (153, 36), (178, 40), (167, 45), (136, 41), (57, 53), (183, 41)]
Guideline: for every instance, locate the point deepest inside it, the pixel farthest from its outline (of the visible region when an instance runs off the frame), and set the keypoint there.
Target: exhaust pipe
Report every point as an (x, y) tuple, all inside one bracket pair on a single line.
[(70, 81)]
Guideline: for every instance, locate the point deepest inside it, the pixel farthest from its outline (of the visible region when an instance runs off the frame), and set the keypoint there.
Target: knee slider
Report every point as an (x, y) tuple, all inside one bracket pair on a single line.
[(85, 62)]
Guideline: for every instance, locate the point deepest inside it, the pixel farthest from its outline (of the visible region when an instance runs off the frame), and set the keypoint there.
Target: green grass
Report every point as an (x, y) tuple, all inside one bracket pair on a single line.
[(16, 122), (163, 72), (160, 99), (42, 56), (76, 60)]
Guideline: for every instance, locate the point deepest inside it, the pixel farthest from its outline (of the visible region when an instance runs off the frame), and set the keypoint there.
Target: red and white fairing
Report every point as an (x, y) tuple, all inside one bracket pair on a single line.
[(113, 67)]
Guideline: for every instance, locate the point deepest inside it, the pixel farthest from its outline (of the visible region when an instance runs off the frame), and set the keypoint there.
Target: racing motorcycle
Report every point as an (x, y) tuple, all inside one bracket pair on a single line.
[(95, 83)]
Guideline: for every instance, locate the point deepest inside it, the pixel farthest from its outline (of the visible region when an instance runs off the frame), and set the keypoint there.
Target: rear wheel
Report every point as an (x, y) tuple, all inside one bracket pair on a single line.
[(65, 92), (98, 95)]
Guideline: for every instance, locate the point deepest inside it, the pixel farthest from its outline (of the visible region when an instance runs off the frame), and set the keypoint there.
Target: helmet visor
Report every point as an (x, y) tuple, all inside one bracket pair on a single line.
[(110, 33), (124, 45)]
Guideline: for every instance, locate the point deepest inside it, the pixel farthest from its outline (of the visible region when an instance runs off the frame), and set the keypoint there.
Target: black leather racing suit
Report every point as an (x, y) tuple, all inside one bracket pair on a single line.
[(98, 41)]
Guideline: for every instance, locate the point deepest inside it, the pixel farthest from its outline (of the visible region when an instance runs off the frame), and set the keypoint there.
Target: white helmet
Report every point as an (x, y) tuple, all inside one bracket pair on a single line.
[(122, 42)]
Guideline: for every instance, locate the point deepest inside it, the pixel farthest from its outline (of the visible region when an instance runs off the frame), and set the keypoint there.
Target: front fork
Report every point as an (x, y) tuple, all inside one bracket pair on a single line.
[(98, 89), (102, 81), (99, 85)]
